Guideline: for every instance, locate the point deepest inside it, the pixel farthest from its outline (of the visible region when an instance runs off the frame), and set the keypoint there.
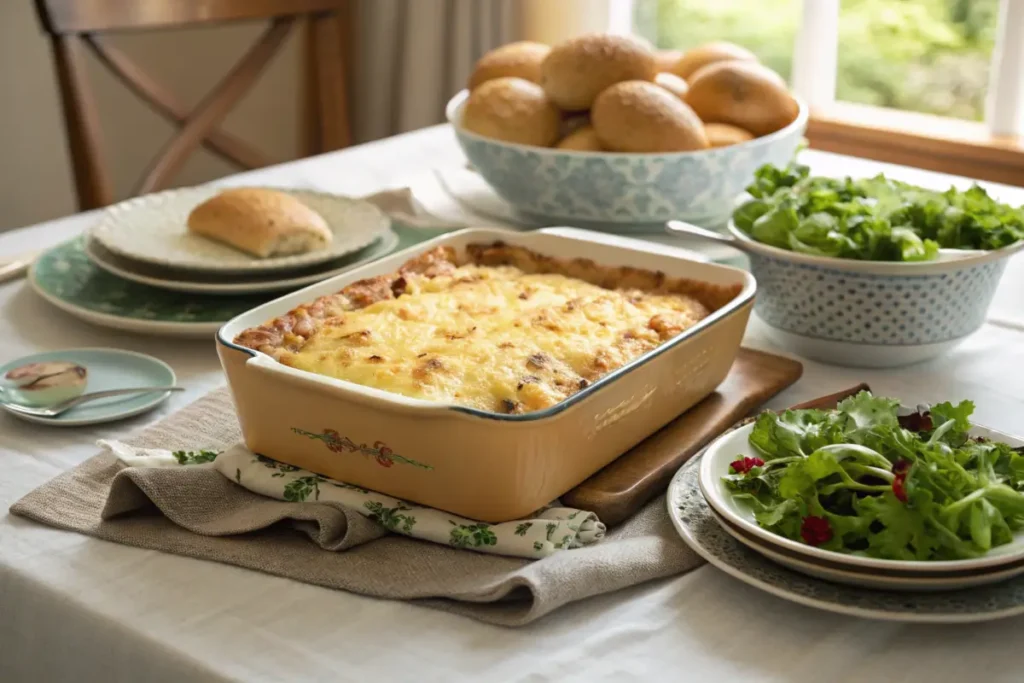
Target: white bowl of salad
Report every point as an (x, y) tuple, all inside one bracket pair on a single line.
[(872, 272), (875, 488)]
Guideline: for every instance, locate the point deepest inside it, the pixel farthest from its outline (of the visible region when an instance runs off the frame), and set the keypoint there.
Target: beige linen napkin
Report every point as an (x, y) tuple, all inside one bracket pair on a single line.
[(200, 513)]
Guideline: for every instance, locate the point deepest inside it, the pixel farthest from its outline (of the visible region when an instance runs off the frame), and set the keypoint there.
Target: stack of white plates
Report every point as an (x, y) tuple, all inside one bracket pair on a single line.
[(724, 531), (145, 240), (140, 270)]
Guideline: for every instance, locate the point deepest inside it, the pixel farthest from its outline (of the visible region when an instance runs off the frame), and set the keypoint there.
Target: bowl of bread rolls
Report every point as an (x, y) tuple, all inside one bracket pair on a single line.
[(602, 131)]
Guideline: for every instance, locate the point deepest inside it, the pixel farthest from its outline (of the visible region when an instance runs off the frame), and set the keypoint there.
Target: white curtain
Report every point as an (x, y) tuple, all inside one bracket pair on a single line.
[(411, 56)]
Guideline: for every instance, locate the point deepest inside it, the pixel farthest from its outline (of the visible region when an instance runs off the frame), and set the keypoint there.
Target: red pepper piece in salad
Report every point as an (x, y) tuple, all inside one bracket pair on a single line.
[(815, 530), (899, 484), (899, 487), (744, 465)]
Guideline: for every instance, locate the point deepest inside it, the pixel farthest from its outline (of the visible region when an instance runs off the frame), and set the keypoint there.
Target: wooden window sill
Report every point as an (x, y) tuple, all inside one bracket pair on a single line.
[(963, 148)]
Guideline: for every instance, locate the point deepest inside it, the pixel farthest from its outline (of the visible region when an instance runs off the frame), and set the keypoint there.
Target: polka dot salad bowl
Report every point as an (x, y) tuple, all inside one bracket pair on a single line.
[(873, 314), (622, 193)]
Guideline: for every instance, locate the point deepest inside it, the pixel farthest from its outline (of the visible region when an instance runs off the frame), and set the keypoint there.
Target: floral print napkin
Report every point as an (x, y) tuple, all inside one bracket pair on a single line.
[(549, 531)]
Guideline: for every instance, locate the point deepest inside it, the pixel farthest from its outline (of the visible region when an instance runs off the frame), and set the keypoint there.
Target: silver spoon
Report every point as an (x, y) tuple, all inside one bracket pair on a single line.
[(692, 230), (64, 406), (681, 228)]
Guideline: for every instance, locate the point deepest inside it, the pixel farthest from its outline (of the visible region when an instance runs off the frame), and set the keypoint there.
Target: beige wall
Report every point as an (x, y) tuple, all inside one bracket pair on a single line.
[(35, 175), (548, 21)]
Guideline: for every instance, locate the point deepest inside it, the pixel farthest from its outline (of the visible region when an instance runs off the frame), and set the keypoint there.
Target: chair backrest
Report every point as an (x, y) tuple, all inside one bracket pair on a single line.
[(75, 26)]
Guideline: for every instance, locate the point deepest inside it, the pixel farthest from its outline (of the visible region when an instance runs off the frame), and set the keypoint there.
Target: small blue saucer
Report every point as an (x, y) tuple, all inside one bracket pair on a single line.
[(108, 369)]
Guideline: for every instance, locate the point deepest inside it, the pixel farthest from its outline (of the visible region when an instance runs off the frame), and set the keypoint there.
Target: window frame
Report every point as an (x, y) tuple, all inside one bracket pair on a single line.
[(993, 150)]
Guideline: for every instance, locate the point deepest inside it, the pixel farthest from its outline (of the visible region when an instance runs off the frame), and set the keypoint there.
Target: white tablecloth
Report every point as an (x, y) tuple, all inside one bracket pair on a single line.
[(73, 608)]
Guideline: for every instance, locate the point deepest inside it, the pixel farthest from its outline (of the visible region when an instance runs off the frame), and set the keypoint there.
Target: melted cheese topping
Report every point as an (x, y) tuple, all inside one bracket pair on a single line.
[(494, 338)]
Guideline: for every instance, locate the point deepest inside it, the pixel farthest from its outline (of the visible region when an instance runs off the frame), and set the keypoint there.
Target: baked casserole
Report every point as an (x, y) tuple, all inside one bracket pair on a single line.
[(500, 328)]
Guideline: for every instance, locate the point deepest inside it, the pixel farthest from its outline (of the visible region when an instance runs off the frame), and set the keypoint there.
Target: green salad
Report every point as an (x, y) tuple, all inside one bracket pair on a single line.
[(873, 219), (863, 479)]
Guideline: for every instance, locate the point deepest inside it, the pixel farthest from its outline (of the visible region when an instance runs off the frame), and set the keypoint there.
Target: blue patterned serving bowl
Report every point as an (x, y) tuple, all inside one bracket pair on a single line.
[(622, 192), (871, 313)]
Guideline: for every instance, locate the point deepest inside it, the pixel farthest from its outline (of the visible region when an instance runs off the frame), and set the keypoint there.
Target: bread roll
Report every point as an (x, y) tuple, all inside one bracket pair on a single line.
[(665, 60), (581, 140), (260, 222), (637, 116), (710, 53), (577, 70), (512, 110), (674, 84), (572, 123), (723, 134), (521, 59), (748, 95)]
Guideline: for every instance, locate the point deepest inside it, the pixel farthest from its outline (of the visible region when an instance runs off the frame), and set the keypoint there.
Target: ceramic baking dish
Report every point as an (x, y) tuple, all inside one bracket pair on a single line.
[(481, 465)]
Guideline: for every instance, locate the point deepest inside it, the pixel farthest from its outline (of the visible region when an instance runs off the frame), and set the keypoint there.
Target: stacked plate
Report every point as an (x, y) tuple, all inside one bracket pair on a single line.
[(724, 531), (140, 269)]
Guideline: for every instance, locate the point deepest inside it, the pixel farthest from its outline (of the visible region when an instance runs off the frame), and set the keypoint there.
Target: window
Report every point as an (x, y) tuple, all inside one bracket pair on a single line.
[(766, 28), (937, 84), (929, 56)]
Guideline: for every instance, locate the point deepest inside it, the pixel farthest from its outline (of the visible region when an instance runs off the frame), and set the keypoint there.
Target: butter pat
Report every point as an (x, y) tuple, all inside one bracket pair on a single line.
[(40, 384)]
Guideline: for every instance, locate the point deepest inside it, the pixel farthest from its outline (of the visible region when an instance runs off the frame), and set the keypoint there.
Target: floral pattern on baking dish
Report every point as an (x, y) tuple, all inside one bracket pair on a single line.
[(379, 451)]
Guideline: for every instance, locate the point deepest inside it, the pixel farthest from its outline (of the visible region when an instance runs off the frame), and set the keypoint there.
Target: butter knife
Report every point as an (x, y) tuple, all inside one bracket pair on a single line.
[(17, 267)]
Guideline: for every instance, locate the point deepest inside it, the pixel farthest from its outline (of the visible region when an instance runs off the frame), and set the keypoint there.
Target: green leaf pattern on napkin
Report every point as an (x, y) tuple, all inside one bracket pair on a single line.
[(194, 457), (471, 535), (391, 519), (298, 490), (547, 531), (280, 469)]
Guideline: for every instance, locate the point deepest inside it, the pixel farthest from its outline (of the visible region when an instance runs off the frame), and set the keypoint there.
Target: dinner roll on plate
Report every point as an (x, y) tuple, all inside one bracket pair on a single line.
[(521, 59), (261, 222), (641, 117), (577, 70), (512, 110)]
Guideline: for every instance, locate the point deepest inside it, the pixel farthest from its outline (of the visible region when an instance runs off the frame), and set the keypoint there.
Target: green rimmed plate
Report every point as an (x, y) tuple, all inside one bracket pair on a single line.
[(152, 228), (66, 278), (219, 284)]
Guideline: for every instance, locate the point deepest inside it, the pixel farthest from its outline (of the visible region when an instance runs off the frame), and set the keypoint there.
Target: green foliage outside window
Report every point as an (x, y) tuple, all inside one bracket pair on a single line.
[(921, 55)]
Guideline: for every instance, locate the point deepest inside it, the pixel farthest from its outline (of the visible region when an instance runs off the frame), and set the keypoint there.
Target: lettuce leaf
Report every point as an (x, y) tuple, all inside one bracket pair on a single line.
[(875, 219), (927, 493)]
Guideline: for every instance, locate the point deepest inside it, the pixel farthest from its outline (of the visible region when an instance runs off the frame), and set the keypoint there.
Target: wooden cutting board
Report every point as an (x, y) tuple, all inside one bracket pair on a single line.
[(643, 472)]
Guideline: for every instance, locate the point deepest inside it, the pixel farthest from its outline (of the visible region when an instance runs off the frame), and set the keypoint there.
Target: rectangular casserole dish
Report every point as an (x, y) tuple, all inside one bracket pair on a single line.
[(481, 465)]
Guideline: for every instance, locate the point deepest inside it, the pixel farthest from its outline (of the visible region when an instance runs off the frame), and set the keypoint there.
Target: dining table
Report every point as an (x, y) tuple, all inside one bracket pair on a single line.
[(74, 608)]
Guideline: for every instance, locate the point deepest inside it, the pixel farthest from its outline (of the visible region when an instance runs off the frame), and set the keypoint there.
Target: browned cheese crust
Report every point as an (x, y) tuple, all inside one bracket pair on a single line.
[(544, 379)]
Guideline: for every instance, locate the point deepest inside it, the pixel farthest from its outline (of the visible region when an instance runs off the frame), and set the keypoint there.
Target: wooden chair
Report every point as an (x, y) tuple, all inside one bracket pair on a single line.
[(77, 25)]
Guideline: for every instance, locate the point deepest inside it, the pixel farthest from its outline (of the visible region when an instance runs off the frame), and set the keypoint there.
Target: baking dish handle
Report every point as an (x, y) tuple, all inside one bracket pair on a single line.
[(319, 384)]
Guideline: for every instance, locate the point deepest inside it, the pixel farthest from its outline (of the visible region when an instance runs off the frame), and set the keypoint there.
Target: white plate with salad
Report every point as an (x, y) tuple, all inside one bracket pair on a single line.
[(870, 578), (692, 517), (873, 486)]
